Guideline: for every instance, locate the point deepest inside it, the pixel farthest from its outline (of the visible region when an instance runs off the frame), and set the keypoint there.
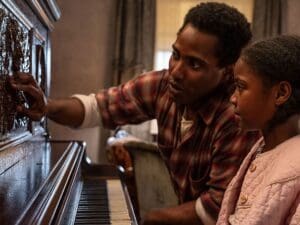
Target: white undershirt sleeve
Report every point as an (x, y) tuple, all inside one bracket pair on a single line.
[(205, 218), (92, 116)]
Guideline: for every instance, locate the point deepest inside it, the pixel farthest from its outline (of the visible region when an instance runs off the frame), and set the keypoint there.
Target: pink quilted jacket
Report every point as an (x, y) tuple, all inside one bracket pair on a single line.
[(270, 192)]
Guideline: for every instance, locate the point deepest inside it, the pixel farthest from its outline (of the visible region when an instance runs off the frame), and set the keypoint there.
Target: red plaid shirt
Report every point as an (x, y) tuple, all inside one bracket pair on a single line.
[(205, 159)]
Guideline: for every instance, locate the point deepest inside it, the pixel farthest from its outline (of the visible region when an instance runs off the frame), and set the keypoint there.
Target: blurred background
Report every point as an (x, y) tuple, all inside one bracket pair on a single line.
[(100, 43)]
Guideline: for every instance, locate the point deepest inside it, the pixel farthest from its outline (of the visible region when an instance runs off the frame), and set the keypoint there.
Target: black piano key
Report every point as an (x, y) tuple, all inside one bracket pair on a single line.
[(92, 210), (93, 204), (93, 221)]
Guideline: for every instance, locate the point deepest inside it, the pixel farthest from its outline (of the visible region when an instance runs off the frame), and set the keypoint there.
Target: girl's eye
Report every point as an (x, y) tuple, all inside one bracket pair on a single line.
[(239, 86)]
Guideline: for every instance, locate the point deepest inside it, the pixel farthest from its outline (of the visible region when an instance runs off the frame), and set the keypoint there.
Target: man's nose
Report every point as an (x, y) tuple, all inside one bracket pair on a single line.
[(178, 70)]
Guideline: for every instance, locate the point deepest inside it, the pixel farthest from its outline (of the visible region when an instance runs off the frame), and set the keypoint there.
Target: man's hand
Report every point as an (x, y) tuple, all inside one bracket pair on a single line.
[(34, 94), (179, 215)]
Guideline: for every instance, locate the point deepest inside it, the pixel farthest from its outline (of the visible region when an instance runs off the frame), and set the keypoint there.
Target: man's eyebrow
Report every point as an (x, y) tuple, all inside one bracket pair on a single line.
[(194, 58)]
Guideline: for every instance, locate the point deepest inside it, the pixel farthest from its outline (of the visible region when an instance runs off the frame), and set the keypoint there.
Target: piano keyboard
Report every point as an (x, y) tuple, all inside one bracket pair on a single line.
[(102, 202)]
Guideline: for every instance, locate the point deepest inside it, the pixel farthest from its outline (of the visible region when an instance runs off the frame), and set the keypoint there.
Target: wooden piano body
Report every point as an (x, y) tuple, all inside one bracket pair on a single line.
[(43, 181), (53, 184)]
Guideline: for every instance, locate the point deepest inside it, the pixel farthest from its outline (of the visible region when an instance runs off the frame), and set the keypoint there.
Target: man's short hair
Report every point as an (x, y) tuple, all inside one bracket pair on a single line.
[(227, 23)]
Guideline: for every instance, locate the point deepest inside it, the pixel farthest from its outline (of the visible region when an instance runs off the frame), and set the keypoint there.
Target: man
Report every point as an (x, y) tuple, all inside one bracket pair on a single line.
[(199, 138)]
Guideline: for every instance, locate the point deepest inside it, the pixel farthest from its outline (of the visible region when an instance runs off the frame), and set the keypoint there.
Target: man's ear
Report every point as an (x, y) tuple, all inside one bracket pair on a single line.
[(284, 91)]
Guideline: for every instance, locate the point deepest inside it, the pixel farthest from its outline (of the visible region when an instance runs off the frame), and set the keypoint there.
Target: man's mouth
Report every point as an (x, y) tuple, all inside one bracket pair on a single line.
[(174, 87)]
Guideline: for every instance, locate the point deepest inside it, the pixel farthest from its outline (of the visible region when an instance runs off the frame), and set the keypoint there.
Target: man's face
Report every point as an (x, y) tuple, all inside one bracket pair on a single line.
[(193, 66)]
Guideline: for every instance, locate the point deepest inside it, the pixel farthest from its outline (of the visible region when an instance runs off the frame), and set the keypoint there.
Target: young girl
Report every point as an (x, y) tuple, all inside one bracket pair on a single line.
[(266, 189)]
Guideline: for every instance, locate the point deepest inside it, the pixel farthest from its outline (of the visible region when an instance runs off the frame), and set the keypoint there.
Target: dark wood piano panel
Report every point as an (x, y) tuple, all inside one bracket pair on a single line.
[(30, 183), (47, 185)]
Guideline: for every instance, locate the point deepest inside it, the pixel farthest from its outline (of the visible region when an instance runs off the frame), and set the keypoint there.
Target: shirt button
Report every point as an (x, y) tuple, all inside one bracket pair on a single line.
[(243, 199), (252, 168)]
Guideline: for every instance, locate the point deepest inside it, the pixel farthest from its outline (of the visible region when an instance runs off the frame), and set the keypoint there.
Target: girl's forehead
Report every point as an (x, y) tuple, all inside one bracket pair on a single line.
[(244, 72), (242, 67)]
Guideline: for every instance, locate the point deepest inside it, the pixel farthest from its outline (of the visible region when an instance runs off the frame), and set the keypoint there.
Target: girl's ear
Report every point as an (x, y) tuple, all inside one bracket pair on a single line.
[(284, 91)]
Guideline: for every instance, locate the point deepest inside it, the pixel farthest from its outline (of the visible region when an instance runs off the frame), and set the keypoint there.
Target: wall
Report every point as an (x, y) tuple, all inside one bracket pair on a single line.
[(292, 25), (81, 61)]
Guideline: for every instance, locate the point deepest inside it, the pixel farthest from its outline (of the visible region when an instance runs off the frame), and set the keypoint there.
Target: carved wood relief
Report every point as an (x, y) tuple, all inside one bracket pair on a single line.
[(21, 49), (14, 56)]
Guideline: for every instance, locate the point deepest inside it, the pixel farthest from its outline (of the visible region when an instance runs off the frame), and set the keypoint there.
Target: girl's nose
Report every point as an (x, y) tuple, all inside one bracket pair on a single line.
[(233, 98)]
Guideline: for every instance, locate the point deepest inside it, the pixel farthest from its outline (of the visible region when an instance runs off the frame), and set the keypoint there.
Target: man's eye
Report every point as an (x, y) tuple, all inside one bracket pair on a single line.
[(195, 64), (175, 55)]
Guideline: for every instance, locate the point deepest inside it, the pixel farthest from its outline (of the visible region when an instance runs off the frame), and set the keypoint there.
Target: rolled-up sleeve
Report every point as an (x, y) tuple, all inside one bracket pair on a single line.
[(130, 103), (92, 115)]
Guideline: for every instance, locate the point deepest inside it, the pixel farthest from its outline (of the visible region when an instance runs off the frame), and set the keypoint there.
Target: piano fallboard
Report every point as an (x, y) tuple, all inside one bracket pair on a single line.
[(53, 184)]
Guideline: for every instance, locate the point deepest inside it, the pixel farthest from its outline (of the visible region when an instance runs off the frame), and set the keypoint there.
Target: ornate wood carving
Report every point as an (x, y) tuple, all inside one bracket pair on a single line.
[(24, 47), (15, 48)]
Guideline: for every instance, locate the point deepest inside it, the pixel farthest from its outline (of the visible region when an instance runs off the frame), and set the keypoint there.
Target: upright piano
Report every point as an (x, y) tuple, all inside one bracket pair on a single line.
[(43, 181)]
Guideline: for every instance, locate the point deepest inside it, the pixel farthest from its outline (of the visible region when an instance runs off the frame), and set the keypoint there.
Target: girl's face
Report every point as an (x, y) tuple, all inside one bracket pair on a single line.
[(254, 103)]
